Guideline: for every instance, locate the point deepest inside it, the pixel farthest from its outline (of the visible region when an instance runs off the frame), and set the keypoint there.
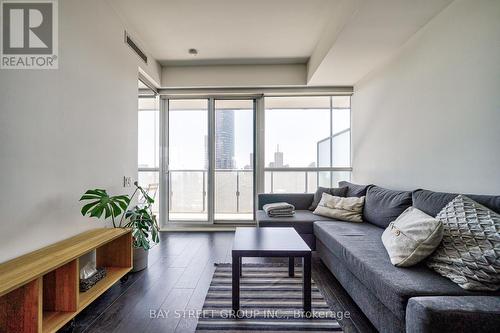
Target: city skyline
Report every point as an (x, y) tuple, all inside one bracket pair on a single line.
[(297, 133)]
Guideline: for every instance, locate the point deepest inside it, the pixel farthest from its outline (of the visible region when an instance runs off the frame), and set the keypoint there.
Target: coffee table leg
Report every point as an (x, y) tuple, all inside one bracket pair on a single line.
[(291, 268), (306, 273), (236, 282)]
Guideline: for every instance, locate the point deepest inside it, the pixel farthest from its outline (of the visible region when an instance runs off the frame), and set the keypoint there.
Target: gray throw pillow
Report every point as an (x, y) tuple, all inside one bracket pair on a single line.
[(469, 254), (354, 190), (432, 202), (336, 191), (412, 237), (382, 206)]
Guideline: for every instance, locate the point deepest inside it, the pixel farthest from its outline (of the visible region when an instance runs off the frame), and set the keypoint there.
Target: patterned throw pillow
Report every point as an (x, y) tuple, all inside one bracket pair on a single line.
[(469, 254)]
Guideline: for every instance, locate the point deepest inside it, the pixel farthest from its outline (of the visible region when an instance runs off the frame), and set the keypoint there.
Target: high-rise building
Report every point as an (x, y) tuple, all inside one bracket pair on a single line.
[(224, 140), (249, 166), (278, 159)]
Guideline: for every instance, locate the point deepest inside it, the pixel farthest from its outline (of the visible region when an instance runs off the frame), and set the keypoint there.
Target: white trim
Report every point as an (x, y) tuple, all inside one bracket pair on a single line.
[(259, 149), (230, 92), (306, 169), (163, 175), (211, 162)]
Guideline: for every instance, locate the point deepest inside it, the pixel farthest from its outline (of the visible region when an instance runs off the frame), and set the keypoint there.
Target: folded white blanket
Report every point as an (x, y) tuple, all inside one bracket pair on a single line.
[(279, 209), (282, 214)]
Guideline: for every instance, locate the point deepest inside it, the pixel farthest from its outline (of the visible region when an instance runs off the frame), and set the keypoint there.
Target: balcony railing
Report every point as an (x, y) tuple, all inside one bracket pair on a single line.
[(234, 189), (303, 180)]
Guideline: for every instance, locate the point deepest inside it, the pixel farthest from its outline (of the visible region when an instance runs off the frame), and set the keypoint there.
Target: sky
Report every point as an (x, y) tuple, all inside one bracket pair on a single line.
[(296, 131)]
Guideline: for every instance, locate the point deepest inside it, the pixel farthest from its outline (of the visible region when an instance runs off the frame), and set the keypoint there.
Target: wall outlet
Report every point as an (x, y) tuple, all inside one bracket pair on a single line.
[(127, 181)]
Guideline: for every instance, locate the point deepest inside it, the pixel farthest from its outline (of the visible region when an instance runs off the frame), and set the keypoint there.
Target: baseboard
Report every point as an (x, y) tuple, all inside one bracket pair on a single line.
[(198, 229), (193, 227)]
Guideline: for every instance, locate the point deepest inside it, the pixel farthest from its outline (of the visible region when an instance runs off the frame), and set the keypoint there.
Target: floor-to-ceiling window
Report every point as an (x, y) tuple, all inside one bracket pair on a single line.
[(188, 160), (148, 148), (307, 142), (218, 152), (234, 160)]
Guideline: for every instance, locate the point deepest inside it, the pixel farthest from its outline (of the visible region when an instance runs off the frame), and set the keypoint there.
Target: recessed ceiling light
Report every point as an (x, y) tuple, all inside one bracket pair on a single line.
[(193, 51)]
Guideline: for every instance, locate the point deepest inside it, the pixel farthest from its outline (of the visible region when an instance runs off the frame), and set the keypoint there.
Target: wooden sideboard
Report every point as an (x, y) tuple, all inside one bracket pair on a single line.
[(39, 291)]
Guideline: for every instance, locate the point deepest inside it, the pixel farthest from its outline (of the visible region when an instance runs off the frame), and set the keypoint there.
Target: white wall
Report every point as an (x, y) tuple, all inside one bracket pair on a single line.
[(430, 118), (64, 131), (233, 75)]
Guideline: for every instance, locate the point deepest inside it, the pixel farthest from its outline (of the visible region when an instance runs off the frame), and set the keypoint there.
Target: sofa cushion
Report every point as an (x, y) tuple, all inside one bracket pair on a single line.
[(378, 314), (301, 201), (302, 221), (479, 314), (337, 191), (382, 206), (354, 190), (432, 202), (360, 248)]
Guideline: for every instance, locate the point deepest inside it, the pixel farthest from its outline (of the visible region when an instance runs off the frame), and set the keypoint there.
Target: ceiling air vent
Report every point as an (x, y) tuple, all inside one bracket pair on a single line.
[(135, 48)]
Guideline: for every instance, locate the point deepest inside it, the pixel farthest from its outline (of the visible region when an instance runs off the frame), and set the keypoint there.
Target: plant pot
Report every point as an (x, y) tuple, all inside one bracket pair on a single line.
[(140, 259)]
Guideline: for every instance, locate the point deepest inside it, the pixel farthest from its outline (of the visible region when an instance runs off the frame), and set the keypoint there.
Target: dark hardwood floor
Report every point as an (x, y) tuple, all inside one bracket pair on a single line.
[(176, 281)]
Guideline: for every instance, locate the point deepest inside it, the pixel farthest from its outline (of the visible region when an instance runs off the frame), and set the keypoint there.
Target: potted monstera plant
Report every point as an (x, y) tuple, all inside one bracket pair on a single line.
[(140, 218)]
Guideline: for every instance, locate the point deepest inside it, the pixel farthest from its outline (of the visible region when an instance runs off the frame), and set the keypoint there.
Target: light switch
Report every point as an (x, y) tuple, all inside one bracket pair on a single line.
[(127, 181)]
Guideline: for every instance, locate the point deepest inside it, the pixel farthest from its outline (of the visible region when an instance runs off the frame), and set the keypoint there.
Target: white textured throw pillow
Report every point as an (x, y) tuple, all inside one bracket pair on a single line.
[(412, 237), (469, 254), (345, 209)]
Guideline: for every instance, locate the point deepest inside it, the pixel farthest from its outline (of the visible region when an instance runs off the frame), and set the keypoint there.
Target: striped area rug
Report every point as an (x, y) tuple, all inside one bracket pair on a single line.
[(269, 301)]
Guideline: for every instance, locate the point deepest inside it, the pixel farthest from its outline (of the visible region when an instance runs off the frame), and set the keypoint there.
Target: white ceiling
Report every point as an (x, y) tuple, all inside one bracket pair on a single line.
[(371, 36), (228, 31), (340, 40)]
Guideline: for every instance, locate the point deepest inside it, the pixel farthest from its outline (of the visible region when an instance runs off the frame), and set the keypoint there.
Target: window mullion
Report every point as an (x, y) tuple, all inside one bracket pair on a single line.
[(331, 140), (211, 160)]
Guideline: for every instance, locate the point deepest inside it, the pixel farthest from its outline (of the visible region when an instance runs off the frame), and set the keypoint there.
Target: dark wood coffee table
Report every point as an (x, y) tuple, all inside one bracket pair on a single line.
[(271, 242)]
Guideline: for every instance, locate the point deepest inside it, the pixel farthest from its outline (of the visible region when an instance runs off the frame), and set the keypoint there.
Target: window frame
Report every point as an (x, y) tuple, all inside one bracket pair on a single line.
[(154, 169), (164, 174), (316, 169), (259, 148)]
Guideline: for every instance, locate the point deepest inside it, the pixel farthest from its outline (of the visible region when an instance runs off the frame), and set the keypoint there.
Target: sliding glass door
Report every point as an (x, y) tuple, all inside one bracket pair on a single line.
[(210, 153), (187, 160), (234, 160)]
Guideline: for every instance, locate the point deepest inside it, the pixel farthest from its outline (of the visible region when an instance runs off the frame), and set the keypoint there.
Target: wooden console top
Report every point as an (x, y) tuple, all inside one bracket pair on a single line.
[(39, 291), (19, 271)]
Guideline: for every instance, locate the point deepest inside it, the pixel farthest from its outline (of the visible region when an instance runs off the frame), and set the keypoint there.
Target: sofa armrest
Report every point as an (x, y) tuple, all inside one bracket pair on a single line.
[(453, 314), (301, 201)]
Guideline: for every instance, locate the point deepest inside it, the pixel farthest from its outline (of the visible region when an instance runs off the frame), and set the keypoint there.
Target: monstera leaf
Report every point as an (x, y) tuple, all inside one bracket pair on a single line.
[(144, 227), (140, 219), (101, 203)]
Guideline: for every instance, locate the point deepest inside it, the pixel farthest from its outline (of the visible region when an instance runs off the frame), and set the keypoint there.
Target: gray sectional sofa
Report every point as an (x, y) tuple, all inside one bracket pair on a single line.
[(414, 299)]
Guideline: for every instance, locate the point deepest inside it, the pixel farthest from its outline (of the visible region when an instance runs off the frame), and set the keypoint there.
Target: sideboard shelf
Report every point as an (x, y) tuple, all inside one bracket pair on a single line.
[(39, 292), (112, 276)]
